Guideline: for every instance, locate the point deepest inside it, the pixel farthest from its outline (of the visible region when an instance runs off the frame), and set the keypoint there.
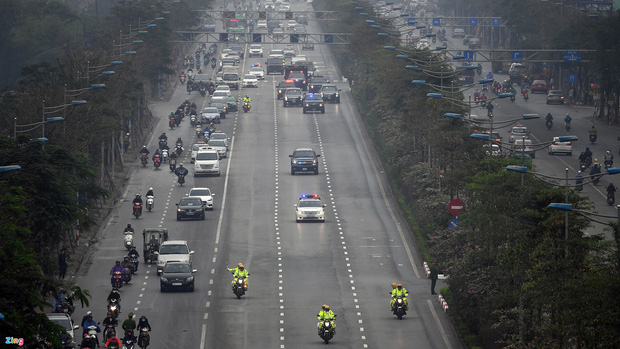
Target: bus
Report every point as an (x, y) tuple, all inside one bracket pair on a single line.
[(235, 25)]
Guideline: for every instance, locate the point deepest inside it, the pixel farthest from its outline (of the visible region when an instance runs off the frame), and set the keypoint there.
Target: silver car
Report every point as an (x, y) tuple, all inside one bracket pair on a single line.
[(210, 114)]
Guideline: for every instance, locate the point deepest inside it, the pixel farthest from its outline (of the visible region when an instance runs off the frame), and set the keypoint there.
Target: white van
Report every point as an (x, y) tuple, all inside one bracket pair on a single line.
[(207, 162)]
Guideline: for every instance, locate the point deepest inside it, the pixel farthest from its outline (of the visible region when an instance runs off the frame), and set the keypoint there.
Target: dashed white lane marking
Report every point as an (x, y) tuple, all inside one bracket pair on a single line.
[(275, 214), (340, 229)]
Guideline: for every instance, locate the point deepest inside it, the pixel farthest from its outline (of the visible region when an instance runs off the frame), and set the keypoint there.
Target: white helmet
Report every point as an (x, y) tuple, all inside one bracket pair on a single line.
[(151, 188)]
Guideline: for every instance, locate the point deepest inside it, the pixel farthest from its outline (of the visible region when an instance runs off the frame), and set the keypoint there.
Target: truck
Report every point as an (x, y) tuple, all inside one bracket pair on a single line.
[(230, 76), (299, 67)]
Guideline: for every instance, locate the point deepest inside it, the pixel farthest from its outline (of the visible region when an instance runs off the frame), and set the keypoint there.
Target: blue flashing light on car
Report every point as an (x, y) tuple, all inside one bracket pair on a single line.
[(310, 196)]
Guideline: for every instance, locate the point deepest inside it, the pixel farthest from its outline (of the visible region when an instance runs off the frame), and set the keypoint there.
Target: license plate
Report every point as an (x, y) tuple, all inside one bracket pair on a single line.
[(176, 284), (311, 216), (189, 213), (305, 168)]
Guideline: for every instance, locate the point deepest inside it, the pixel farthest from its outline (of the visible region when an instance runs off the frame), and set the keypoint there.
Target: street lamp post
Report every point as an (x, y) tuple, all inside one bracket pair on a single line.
[(44, 119)]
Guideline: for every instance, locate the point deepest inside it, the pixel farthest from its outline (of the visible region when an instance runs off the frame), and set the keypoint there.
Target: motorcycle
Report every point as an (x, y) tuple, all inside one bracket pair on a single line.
[(211, 90), (611, 198), (592, 138), (567, 126), (164, 155), (549, 124), (512, 98), (92, 332), (144, 159), (150, 201), (144, 339), (181, 179), (173, 164), (399, 308), (108, 331), (182, 79), (326, 330), (595, 173), (127, 276), (135, 262), (246, 107), (171, 124), (608, 163), (163, 144), (128, 240), (477, 99), (526, 96), (239, 287), (582, 166), (179, 150), (128, 344), (157, 162), (118, 279), (192, 120), (137, 209), (203, 91), (113, 306)]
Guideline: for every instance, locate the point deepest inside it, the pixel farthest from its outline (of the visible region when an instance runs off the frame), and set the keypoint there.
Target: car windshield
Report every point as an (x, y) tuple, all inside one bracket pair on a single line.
[(250, 76), (519, 130), (195, 147), (190, 202), (220, 94), (293, 92), (256, 69), (174, 249), (200, 192), (218, 136), (207, 156), (296, 75), (217, 143), (304, 154), (310, 203), (329, 88), (64, 323), (276, 52), (177, 268)]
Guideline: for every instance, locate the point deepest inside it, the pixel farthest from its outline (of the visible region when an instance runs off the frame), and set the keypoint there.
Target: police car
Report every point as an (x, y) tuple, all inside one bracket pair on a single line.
[(310, 208)]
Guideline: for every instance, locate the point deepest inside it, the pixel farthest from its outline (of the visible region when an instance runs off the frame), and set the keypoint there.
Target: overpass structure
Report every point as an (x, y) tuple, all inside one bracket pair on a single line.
[(270, 15), (264, 38)]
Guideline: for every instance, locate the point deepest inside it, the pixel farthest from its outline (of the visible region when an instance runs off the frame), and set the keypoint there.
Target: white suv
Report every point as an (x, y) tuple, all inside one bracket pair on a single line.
[(256, 50), (560, 147), (207, 162), (205, 195), (173, 250)]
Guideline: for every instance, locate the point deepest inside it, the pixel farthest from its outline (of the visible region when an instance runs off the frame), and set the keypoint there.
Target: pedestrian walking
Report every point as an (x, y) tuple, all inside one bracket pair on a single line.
[(433, 276), (126, 141), (62, 263)]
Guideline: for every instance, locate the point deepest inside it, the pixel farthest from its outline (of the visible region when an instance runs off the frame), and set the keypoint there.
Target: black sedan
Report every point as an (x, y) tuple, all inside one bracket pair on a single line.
[(190, 207), (177, 276)]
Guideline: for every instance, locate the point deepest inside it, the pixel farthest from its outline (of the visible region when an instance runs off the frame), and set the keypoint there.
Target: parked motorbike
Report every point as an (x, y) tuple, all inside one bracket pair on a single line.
[(128, 240), (239, 287), (137, 209), (173, 164), (399, 308), (326, 330), (592, 138), (144, 159), (611, 198), (246, 107), (150, 201)]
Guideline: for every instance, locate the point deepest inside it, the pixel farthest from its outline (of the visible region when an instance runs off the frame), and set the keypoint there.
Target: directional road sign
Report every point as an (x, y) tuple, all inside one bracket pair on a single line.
[(496, 22), (572, 56), (572, 78), (473, 22), (436, 22), (468, 55), (454, 223), (517, 56)]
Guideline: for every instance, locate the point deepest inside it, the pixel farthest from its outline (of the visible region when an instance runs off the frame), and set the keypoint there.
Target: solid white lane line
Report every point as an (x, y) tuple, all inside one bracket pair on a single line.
[(439, 326)]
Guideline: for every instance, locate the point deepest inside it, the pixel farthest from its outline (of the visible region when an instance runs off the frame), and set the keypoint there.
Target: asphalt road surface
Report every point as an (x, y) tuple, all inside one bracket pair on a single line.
[(347, 262)]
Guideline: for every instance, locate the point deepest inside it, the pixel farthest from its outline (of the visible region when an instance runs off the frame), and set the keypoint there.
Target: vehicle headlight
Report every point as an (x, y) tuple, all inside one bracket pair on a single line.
[(321, 94), (286, 98), (307, 105), (164, 279), (190, 279), (179, 210), (160, 262), (337, 94), (314, 162), (320, 104), (217, 165)]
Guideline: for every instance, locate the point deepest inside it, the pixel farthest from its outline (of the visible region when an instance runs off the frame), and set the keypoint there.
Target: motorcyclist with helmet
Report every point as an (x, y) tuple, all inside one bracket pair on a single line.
[(490, 108), (128, 228), (326, 314), (138, 200), (181, 171), (129, 336), (112, 341), (126, 263), (549, 120), (476, 96), (143, 322), (400, 291), (156, 155), (144, 150), (133, 253), (240, 272), (117, 267), (593, 134), (248, 100), (567, 119), (88, 342), (609, 159), (110, 321)]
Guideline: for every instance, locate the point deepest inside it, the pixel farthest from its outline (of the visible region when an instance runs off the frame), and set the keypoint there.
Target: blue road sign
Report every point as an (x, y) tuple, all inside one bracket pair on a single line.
[(411, 21), (517, 56), (454, 223), (468, 55), (496, 22), (572, 56), (436, 22), (473, 22), (572, 78)]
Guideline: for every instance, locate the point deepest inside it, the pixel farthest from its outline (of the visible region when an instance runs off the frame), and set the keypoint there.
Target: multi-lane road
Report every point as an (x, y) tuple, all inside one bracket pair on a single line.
[(347, 262)]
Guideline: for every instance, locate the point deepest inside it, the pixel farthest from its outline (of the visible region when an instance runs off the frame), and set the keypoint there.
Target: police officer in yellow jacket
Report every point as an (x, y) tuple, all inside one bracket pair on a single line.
[(402, 292), (240, 272), (326, 314)]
